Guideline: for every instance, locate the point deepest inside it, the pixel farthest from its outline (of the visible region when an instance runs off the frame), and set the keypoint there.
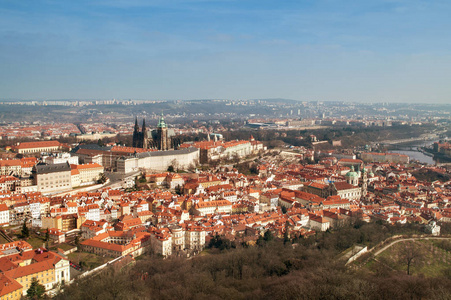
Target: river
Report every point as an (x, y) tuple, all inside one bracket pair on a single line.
[(415, 154)]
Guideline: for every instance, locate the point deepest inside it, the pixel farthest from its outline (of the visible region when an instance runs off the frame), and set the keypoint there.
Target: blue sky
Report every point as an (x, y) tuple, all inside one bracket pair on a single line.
[(366, 51)]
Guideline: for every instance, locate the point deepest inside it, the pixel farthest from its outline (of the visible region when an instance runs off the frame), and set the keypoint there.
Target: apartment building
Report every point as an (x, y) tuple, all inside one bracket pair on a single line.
[(195, 238), (10, 167), (8, 183), (161, 241)]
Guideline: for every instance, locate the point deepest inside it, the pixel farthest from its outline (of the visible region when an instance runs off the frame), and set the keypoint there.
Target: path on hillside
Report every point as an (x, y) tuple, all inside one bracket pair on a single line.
[(408, 239), (5, 236)]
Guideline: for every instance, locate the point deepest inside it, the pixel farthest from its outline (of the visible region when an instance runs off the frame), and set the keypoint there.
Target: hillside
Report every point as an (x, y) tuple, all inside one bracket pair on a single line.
[(309, 269)]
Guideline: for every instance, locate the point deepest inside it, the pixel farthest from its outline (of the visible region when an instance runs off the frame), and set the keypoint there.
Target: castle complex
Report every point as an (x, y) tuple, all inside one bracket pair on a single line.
[(162, 138)]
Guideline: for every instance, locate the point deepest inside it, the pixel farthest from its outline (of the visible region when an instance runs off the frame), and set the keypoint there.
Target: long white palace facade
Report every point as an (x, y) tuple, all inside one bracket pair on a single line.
[(158, 160)]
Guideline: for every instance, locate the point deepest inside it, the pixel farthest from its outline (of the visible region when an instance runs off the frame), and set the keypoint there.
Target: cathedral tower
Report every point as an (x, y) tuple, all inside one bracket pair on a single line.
[(144, 135), (136, 135), (162, 132)]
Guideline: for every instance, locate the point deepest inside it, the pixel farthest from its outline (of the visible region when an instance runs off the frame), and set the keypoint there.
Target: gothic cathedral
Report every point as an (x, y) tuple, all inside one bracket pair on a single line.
[(159, 139)]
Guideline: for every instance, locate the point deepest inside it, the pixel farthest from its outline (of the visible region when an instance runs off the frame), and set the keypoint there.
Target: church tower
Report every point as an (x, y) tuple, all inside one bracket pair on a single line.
[(364, 182), (144, 135), (136, 134), (162, 131)]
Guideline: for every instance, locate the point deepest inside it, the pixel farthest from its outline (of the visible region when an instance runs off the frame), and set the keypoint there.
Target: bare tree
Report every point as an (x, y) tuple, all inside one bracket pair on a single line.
[(410, 254), (175, 164)]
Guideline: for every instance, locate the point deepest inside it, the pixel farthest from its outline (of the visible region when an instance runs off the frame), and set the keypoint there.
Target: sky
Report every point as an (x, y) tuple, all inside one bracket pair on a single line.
[(328, 50)]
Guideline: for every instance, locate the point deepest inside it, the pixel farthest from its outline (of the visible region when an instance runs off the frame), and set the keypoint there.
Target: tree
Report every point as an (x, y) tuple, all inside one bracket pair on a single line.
[(214, 163), (77, 242), (178, 189), (47, 238), (284, 210), (410, 254), (254, 169), (286, 235), (192, 167), (221, 243), (260, 241), (143, 179), (136, 183), (102, 179), (175, 165), (36, 290), (171, 168), (268, 236), (25, 231)]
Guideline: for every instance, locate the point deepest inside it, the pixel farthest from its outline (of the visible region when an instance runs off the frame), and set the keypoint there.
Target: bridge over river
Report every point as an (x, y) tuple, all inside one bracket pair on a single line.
[(424, 137)]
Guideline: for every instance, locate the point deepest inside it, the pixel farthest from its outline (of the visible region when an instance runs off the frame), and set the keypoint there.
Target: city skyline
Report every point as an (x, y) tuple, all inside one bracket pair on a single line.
[(383, 51)]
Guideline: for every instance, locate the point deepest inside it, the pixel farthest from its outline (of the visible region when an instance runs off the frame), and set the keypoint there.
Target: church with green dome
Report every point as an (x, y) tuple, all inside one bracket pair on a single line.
[(352, 177)]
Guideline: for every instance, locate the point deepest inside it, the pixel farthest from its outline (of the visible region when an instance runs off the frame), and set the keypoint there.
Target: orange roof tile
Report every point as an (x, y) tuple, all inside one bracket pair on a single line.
[(8, 285), (41, 144)]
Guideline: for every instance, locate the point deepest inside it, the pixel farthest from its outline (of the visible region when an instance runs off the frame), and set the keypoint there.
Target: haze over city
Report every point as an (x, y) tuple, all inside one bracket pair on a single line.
[(225, 149), (364, 51)]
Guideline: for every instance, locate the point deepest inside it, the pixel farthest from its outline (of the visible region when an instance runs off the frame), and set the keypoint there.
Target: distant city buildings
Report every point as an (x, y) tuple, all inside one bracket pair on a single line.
[(385, 157), (443, 148), (172, 199)]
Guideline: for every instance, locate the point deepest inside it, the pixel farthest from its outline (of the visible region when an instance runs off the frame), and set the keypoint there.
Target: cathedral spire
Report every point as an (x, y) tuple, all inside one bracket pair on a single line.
[(144, 135), (136, 124), (136, 134)]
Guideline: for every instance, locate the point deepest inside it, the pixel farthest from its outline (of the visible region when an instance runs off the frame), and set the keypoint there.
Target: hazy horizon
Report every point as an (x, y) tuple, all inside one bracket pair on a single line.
[(392, 51), (224, 99)]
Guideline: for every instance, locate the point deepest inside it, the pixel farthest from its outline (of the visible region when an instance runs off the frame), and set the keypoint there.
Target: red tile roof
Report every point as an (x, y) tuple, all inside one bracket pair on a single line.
[(42, 144), (8, 285)]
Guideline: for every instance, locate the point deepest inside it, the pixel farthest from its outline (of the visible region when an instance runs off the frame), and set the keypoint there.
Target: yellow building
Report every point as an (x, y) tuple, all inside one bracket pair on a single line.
[(88, 173), (10, 289), (62, 222), (208, 181), (19, 268), (52, 222), (43, 271), (37, 147)]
